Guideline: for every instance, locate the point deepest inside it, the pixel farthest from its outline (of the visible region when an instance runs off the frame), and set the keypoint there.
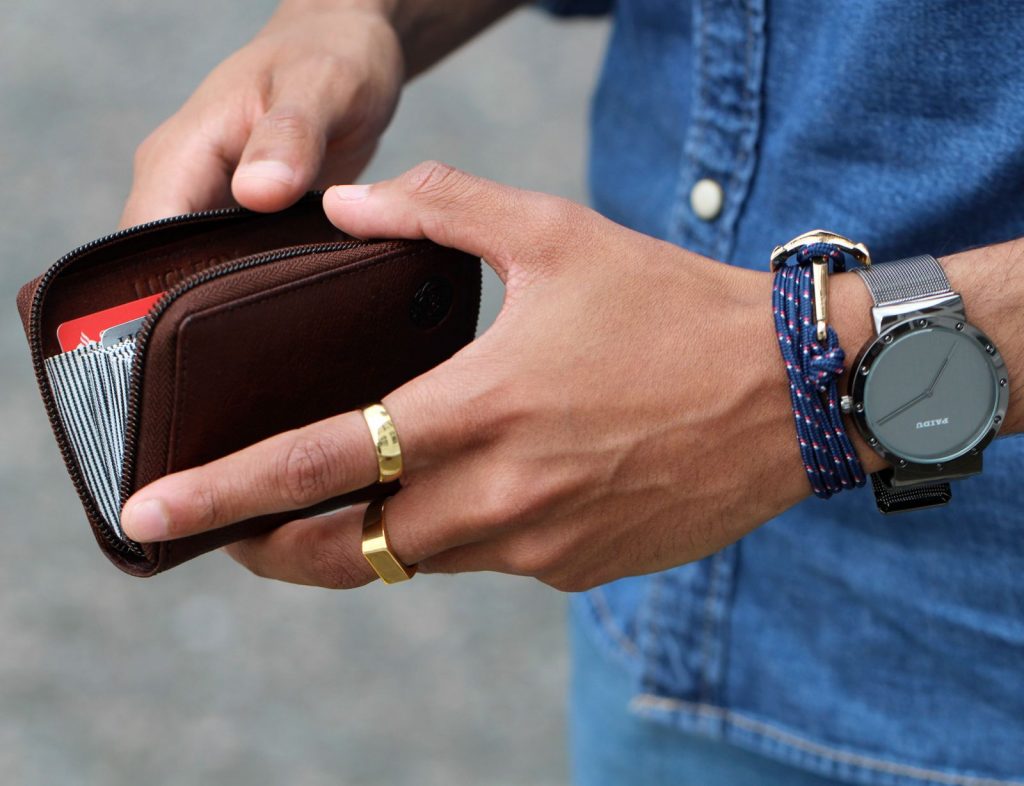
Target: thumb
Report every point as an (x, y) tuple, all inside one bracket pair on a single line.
[(281, 158), (309, 107), (504, 225)]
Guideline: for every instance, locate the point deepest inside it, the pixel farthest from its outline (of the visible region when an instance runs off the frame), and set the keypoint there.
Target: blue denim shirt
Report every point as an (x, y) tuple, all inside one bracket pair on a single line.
[(880, 650)]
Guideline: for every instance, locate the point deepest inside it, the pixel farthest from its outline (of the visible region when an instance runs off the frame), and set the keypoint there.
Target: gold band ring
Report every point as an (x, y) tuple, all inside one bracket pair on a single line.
[(376, 549), (385, 442)]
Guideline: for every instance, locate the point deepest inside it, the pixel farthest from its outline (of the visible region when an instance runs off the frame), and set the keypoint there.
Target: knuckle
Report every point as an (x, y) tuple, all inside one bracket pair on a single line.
[(499, 503), (330, 67), (517, 498), (337, 75), (433, 179), (553, 211), (556, 218), (288, 124), (530, 557), (495, 402), (304, 473), (205, 506)]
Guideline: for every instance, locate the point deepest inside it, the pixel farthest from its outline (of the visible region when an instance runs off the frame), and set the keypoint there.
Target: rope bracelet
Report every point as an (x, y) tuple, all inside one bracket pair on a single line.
[(814, 370)]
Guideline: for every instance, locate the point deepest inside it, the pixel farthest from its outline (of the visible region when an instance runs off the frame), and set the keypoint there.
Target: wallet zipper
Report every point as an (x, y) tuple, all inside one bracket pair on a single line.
[(39, 365), (142, 337)]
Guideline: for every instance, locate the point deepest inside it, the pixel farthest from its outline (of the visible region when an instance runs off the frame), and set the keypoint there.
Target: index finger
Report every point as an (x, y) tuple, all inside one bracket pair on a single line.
[(290, 471), (175, 173)]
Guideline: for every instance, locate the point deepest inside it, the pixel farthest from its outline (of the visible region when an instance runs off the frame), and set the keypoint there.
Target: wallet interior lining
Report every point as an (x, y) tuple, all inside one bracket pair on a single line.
[(154, 262), (91, 390)]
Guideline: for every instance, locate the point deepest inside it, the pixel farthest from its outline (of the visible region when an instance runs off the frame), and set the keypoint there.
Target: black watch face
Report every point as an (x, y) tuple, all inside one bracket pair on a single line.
[(931, 394)]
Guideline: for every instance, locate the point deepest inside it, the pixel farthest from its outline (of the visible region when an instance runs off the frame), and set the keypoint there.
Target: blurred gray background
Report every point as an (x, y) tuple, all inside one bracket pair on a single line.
[(207, 674)]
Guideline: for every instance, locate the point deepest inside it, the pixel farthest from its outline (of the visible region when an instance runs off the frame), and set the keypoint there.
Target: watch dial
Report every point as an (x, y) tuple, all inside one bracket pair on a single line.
[(931, 395)]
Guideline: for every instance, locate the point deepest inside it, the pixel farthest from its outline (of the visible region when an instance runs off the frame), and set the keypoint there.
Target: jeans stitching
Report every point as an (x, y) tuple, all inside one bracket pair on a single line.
[(652, 626), (813, 748), (707, 632), (603, 613)]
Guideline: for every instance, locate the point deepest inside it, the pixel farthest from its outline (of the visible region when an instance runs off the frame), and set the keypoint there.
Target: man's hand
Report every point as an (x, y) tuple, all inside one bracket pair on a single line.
[(302, 105), (627, 412)]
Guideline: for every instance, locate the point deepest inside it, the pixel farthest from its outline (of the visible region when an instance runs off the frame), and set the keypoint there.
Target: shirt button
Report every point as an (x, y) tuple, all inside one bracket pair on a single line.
[(706, 198)]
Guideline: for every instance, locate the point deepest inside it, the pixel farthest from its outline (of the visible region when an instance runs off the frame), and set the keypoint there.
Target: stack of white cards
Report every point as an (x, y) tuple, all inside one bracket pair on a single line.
[(90, 385)]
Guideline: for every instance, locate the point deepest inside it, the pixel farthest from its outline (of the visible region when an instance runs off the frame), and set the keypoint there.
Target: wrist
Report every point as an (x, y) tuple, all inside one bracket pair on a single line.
[(770, 402), (427, 30), (385, 8), (993, 294), (431, 29), (334, 17), (850, 317)]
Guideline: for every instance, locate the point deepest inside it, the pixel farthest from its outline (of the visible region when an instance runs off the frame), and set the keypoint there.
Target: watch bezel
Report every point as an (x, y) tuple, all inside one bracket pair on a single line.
[(923, 320)]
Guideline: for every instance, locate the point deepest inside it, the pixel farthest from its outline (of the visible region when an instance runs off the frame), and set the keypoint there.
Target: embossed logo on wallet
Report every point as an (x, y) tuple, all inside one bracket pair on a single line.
[(169, 279)]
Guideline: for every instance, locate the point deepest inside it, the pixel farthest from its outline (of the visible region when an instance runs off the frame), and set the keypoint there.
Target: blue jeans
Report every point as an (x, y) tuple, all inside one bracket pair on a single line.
[(611, 746)]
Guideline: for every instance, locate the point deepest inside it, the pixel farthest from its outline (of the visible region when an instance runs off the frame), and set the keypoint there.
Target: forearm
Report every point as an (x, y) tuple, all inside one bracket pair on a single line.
[(428, 29), (991, 281)]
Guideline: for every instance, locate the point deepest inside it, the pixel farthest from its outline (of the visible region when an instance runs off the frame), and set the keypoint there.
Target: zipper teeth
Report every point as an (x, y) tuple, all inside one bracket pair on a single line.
[(39, 366)]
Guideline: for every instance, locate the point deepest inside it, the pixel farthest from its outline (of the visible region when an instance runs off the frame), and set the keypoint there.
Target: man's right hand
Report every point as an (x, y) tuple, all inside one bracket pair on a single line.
[(302, 105)]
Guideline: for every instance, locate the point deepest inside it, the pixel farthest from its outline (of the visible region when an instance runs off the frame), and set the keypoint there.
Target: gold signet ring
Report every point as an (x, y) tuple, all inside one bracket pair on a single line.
[(385, 441), (376, 549)]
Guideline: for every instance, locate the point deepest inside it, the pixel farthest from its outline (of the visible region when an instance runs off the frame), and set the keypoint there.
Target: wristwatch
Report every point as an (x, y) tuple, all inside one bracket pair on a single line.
[(929, 391)]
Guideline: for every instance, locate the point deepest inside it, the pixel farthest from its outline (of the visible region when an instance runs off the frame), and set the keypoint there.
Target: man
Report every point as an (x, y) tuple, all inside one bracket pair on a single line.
[(629, 411)]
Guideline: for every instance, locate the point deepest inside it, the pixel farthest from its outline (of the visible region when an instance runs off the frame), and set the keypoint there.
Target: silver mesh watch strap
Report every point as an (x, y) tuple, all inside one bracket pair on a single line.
[(891, 499), (900, 282), (904, 279)]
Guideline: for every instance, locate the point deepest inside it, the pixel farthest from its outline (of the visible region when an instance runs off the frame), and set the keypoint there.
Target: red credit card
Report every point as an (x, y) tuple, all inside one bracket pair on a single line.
[(86, 330)]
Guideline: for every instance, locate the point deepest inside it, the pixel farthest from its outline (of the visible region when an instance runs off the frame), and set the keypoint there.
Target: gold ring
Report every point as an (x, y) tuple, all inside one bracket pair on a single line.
[(385, 442), (376, 549)]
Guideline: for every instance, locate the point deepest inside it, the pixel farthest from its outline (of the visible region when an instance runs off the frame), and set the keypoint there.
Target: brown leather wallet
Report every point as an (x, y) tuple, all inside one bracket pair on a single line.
[(268, 322)]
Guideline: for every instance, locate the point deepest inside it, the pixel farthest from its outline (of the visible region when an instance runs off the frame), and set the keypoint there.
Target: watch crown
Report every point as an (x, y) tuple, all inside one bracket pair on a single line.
[(846, 404)]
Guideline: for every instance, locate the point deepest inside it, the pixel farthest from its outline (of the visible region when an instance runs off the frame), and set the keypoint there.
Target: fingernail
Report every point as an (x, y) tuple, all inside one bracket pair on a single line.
[(351, 193), (146, 521), (278, 171)]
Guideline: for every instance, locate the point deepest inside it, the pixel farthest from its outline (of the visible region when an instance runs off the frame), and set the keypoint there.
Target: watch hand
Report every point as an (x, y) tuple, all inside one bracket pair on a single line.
[(926, 394), (942, 368), (900, 410)]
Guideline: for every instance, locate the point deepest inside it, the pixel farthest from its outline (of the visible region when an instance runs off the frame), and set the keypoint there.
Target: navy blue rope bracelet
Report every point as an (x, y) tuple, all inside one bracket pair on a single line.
[(814, 369)]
